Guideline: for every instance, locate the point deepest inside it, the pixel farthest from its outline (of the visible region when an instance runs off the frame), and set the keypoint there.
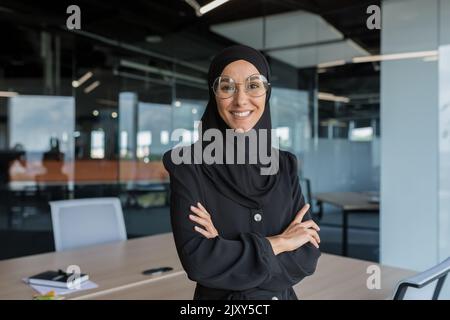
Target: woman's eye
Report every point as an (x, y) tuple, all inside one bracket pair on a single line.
[(255, 85), (226, 88)]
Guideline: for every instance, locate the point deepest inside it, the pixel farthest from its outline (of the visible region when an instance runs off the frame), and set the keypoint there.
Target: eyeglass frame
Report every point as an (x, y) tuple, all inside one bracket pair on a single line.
[(240, 83)]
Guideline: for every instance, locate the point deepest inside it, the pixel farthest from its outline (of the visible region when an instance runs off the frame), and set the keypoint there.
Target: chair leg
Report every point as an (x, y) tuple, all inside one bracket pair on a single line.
[(320, 213), (344, 233)]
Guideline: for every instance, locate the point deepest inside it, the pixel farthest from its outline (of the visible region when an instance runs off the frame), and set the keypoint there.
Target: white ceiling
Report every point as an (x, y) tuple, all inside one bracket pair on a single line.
[(289, 29)]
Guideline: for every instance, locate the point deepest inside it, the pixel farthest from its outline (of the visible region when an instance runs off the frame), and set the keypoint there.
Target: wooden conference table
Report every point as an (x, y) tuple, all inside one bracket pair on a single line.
[(348, 202), (117, 267)]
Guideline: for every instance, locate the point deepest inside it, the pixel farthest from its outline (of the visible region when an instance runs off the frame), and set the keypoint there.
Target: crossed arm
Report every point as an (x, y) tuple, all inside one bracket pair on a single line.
[(297, 234)]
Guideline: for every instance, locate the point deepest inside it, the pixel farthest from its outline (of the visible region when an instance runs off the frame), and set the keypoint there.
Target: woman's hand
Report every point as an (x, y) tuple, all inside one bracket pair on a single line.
[(296, 234), (203, 218)]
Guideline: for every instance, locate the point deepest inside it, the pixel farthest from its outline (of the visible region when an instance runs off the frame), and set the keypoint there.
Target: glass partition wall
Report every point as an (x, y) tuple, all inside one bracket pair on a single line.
[(90, 112)]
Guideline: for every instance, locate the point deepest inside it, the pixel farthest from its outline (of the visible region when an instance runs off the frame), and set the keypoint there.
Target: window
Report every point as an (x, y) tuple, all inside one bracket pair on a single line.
[(97, 144), (144, 140)]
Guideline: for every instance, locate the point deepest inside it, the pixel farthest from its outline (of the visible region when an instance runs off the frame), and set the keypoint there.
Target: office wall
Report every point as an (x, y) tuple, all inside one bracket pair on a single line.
[(414, 226)]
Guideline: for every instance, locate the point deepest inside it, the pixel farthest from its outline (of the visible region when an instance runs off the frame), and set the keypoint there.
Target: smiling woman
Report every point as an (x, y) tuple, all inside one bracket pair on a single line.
[(240, 234)]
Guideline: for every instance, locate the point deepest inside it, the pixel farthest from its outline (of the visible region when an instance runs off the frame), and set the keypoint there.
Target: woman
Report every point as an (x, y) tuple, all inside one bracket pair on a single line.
[(240, 234)]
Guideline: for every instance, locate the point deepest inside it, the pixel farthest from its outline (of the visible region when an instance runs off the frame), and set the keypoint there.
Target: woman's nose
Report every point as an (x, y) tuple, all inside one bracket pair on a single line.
[(241, 97)]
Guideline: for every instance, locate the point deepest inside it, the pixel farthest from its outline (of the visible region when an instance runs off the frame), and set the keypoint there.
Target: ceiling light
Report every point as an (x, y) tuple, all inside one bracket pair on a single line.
[(83, 79), (396, 56), (331, 64), (91, 87), (332, 97), (431, 58), (211, 6), (199, 11)]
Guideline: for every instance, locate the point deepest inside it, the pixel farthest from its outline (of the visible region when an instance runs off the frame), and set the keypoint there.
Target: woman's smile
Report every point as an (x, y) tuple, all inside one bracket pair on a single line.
[(241, 115)]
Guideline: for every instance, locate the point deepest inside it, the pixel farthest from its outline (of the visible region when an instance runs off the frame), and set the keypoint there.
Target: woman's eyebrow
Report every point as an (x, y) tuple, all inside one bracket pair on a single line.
[(253, 74)]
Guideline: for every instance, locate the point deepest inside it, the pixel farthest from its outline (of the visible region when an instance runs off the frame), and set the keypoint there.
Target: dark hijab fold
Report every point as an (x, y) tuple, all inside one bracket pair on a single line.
[(242, 183)]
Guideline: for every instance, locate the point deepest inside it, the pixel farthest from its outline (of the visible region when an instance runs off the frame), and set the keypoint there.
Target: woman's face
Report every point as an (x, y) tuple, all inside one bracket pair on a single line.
[(241, 111)]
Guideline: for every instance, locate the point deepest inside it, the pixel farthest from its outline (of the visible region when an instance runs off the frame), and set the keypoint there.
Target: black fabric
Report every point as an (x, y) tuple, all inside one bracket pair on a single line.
[(241, 183), (240, 262)]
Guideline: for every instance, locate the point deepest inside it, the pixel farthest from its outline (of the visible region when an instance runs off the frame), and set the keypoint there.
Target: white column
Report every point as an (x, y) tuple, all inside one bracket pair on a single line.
[(444, 136), (409, 132)]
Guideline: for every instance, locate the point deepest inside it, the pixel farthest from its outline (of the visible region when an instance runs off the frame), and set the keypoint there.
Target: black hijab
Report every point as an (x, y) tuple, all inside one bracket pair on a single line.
[(242, 183)]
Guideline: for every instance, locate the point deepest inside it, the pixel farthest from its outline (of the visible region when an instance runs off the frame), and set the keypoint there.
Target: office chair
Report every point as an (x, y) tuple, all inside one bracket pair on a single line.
[(305, 185), (85, 222), (426, 285)]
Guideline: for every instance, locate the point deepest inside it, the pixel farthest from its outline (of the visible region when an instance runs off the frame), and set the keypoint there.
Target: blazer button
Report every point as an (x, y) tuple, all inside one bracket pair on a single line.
[(257, 217), (274, 298)]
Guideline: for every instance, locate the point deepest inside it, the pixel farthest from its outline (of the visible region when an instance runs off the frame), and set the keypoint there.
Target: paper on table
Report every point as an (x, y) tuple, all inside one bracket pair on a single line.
[(62, 291)]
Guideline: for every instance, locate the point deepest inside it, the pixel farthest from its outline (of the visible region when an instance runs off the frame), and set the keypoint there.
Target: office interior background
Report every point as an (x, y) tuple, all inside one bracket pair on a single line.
[(89, 112)]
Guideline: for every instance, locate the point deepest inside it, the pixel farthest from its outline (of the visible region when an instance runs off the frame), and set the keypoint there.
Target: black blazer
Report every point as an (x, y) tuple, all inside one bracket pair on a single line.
[(240, 262)]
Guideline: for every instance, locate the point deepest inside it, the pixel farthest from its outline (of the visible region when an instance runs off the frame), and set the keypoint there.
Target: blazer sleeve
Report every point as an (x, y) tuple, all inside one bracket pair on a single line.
[(218, 263), (300, 263)]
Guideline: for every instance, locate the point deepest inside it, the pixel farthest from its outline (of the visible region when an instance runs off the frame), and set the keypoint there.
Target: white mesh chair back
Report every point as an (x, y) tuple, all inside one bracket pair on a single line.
[(86, 222)]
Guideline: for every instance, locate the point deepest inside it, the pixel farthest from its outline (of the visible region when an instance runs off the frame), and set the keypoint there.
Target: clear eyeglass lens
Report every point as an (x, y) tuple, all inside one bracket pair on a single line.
[(255, 86), (224, 87)]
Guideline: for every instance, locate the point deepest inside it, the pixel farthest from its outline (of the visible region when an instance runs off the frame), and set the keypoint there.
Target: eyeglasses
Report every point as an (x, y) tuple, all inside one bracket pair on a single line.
[(225, 87)]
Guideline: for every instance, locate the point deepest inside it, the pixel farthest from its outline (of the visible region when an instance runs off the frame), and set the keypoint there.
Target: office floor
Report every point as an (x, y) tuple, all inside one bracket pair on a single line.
[(30, 231)]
